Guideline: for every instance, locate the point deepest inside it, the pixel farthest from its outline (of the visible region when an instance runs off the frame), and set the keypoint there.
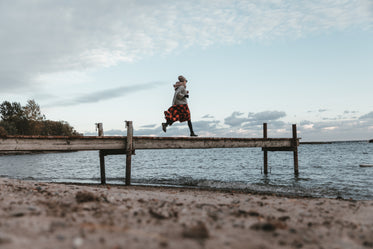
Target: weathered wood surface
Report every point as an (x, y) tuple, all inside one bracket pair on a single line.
[(61, 143), (295, 151), (100, 129), (265, 153), (129, 151), (207, 142)]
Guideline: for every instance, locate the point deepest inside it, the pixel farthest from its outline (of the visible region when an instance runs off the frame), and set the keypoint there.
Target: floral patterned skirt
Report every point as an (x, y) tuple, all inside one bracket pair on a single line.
[(177, 113)]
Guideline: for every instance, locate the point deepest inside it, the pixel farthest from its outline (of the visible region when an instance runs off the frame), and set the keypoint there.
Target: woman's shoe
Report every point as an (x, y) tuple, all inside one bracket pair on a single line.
[(193, 135), (164, 127)]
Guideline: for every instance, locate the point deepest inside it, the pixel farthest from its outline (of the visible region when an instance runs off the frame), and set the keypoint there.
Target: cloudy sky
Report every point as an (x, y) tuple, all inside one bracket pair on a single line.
[(247, 62)]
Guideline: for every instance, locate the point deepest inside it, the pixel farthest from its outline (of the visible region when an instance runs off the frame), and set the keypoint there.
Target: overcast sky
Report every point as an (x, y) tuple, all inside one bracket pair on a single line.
[(247, 62)]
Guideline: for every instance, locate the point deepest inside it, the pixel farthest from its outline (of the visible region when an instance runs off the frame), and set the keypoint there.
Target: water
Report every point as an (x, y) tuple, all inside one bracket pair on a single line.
[(326, 170)]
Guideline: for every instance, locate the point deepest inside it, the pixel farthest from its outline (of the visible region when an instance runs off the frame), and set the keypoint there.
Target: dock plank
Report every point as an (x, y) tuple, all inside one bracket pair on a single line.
[(60, 143)]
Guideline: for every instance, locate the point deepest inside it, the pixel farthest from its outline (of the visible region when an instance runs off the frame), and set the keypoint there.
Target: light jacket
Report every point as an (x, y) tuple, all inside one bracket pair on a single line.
[(179, 96)]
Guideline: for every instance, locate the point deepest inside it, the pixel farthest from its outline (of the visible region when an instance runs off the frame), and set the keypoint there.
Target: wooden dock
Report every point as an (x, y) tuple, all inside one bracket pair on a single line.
[(115, 145)]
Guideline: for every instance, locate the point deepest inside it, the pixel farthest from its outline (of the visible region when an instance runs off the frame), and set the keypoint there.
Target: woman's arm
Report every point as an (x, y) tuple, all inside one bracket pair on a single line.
[(181, 92)]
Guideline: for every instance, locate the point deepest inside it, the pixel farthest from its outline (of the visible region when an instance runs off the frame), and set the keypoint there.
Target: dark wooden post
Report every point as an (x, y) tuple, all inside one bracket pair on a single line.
[(100, 129), (295, 149), (265, 155), (129, 151)]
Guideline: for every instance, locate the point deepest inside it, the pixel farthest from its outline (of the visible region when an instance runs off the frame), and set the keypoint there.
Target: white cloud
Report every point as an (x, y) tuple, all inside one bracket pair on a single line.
[(352, 129), (367, 116), (40, 37), (207, 116), (102, 95), (266, 116), (234, 120)]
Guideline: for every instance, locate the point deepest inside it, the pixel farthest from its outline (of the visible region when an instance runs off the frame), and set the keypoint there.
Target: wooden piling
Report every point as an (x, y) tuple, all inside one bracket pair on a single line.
[(295, 149), (100, 129), (102, 167), (265, 152), (129, 151), (292, 147)]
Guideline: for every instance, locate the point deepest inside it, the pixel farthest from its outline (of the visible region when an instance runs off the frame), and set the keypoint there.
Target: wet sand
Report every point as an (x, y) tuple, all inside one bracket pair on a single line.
[(47, 215)]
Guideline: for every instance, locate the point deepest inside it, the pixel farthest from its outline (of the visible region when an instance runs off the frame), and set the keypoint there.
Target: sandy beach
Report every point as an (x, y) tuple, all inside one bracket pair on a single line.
[(48, 215)]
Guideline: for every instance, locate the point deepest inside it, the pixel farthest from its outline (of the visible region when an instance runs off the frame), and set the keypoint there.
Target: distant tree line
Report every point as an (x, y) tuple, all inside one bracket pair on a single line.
[(28, 120)]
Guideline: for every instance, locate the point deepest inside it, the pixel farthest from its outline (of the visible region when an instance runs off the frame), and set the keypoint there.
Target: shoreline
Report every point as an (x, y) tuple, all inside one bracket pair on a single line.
[(212, 189), (253, 191), (62, 215)]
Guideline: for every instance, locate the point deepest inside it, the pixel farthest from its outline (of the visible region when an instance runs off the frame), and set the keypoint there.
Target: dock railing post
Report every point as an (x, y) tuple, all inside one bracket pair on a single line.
[(265, 155), (100, 129), (129, 151), (295, 149)]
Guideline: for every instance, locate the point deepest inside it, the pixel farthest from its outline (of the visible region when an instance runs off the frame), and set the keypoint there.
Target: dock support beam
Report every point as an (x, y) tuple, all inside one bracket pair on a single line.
[(100, 129), (265, 152), (129, 151), (295, 149)]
